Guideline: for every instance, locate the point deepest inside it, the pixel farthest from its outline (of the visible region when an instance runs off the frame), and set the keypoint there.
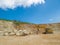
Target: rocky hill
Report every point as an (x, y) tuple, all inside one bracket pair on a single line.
[(23, 28)]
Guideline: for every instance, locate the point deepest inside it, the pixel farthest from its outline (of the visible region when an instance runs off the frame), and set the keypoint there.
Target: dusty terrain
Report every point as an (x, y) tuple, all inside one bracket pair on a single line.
[(41, 39), (12, 33)]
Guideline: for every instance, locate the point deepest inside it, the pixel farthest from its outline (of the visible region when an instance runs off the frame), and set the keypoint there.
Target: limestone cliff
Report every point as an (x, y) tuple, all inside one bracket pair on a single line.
[(21, 28)]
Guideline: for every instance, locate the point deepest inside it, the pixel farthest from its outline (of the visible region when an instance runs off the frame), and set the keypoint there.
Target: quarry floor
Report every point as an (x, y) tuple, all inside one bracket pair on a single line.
[(40, 39)]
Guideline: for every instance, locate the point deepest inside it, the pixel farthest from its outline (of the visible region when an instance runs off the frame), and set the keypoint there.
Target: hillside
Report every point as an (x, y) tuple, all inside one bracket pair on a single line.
[(23, 28), (18, 33)]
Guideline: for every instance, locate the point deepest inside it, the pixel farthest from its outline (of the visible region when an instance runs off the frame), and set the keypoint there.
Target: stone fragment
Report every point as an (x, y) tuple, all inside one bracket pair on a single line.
[(11, 33), (6, 34), (1, 33), (19, 33)]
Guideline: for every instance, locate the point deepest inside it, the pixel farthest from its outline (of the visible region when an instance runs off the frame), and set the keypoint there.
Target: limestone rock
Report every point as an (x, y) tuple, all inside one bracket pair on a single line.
[(10, 28)]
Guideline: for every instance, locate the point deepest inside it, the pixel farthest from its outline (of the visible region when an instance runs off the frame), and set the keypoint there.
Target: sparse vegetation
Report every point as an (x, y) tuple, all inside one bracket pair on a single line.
[(6, 20), (16, 22)]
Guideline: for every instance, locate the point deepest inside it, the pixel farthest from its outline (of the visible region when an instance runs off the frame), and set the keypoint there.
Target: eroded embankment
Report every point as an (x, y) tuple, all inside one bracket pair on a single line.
[(11, 28)]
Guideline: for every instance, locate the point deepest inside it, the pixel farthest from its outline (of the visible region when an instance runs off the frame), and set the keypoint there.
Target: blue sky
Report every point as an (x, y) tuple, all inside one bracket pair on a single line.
[(38, 14)]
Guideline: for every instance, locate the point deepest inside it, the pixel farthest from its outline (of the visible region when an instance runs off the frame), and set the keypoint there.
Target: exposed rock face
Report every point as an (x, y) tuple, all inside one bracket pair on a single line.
[(10, 28), (6, 26), (27, 28), (56, 28)]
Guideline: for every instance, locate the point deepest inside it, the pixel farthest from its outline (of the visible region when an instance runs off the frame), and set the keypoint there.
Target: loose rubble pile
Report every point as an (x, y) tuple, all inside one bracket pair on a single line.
[(16, 33), (23, 32)]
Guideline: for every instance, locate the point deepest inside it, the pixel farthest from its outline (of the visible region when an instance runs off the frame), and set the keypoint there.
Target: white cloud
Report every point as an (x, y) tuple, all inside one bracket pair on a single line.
[(15, 3)]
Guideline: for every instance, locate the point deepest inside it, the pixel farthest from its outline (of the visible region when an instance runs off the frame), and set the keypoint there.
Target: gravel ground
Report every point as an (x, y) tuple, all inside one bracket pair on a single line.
[(40, 39)]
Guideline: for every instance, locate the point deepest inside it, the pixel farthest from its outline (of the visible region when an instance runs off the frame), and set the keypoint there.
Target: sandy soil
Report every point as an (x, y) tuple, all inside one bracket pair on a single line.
[(41, 39)]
